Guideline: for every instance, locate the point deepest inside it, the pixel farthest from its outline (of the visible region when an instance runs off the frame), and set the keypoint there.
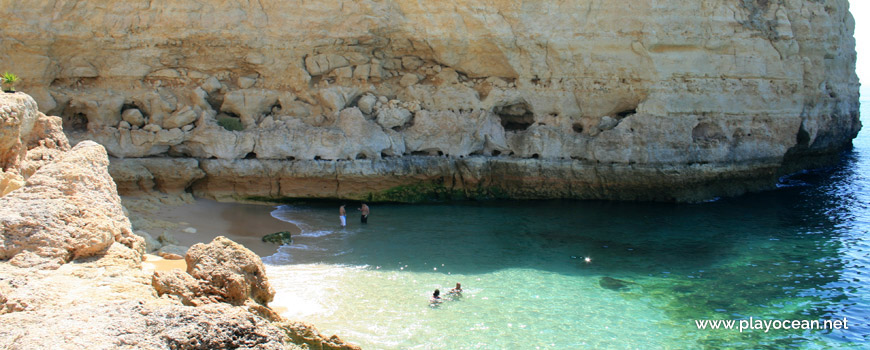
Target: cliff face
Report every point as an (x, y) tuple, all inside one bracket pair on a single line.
[(71, 273), (581, 98)]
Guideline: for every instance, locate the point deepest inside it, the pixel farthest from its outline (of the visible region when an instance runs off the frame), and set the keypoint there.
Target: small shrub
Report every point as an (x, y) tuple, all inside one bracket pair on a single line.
[(9, 79), (230, 123)]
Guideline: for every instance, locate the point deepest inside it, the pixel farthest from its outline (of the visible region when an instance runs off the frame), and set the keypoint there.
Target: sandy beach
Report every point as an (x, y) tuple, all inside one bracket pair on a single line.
[(190, 221)]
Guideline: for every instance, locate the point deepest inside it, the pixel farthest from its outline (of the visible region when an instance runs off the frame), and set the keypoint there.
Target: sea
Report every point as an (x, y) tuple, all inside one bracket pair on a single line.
[(561, 274)]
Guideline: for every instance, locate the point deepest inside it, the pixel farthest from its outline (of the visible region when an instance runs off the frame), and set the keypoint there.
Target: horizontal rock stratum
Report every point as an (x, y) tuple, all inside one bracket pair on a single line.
[(647, 100)]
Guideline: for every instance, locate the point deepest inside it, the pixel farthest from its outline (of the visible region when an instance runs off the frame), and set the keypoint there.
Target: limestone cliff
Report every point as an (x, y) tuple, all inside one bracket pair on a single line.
[(653, 100), (71, 273)]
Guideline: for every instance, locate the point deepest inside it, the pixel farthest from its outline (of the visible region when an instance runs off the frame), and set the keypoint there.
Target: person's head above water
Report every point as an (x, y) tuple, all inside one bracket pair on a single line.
[(458, 285), (436, 294)]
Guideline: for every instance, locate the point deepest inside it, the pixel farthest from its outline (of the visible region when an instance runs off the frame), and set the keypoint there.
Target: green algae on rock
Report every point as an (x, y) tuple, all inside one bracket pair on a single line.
[(282, 237)]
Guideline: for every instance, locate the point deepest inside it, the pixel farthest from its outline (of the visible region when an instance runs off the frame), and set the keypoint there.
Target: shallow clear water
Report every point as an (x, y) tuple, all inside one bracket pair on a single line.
[(799, 252)]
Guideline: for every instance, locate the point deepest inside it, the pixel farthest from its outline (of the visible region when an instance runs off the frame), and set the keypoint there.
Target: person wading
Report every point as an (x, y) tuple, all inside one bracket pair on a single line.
[(342, 215), (364, 211)]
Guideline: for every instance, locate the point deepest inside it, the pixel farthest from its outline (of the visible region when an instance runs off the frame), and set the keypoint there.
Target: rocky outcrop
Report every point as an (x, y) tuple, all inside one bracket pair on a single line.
[(28, 139), (715, 85), (86, 306), (144, 175), (415, 179), (219, 272), (304, 333), (81, 306), (68, 210)]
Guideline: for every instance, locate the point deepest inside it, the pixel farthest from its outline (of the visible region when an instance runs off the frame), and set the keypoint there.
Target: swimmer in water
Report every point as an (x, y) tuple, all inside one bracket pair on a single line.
[(436, 297), (456, 291)]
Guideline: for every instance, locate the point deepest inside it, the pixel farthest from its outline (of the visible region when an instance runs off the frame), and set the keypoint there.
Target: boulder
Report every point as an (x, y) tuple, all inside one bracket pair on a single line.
[(393, 117), (336, 98), (69, 209), (324, 63), (133, 116), (167, 238), (221, 271), (607, 123), (182, 117), (156, 104), (152, 128), (151, 243), (409, 79), (172, 252), (211, 85), (367, 103)]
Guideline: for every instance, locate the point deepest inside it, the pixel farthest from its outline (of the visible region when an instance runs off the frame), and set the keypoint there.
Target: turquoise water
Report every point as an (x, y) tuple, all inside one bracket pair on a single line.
[(799, 252)]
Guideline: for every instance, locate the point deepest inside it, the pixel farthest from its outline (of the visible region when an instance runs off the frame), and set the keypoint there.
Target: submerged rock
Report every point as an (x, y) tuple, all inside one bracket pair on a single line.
[(613, 283), (282, 237)]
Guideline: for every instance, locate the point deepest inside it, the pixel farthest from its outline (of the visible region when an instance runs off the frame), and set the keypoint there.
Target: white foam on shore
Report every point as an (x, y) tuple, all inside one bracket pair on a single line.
[(301, 247), (316, 233)]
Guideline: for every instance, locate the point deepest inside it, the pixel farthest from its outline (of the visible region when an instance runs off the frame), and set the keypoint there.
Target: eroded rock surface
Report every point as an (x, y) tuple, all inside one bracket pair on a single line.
[(221, 271), (28, 140), (68, 210), (88, 306), (713, 85)]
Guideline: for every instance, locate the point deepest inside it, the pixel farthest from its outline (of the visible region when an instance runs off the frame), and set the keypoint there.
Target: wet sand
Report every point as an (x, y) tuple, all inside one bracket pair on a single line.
[(155, 263), (245, 224)]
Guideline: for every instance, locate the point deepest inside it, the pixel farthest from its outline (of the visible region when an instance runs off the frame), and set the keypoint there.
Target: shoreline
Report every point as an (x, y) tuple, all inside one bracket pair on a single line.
[(189, 221)]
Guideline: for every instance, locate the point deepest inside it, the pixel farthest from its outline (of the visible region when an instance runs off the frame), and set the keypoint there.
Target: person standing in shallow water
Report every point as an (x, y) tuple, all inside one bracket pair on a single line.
[(364, 217), (342, 215)]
